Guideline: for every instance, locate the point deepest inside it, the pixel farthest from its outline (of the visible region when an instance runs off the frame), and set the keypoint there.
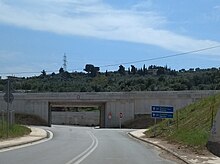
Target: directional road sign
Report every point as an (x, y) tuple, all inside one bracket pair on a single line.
[(162, 109), (161, 115), (162, 112)]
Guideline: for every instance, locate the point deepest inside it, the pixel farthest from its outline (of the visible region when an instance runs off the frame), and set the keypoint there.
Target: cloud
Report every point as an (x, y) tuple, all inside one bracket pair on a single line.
[(143, 5), (217, 7), (94, 18)]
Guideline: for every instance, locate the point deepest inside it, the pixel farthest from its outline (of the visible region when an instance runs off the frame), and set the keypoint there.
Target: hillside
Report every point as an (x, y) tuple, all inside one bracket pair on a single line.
[(193, 125), (153, 78)]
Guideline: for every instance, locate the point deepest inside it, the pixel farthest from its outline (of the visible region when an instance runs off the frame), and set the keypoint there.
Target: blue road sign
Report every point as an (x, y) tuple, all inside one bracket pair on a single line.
[(162, 109), (161, 115), (162, 112)]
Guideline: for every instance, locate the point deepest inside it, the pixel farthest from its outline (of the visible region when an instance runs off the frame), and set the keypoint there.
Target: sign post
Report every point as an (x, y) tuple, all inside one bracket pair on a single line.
[(120, 117), (8, 97), (3, 115), (161, 112)]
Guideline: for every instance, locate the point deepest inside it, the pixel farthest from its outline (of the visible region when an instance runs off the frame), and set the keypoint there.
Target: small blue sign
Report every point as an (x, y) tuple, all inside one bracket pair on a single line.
[(161, 115), (162, 109)]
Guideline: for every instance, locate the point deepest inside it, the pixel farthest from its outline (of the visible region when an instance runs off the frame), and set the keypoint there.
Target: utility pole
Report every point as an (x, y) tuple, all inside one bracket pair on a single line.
[(8, 97), (64, 62)]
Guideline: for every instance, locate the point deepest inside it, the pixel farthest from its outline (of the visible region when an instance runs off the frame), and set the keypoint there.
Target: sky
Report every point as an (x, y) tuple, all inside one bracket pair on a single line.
[(35, 35)]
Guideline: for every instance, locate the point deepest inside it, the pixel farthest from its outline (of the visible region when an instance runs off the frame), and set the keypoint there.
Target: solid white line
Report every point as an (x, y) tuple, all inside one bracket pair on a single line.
[(87, 154), (79, 158), (28, 144)]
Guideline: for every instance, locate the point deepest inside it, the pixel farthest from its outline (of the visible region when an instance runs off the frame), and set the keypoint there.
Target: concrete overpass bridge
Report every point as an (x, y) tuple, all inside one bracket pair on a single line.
[(129, 104), (110, 104)]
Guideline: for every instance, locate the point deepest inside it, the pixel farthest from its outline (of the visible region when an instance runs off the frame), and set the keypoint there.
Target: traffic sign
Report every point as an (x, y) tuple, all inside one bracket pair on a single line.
[(8, 97), (162, 112), (161, 115), (162, 109), (121, 115), (109, 115)]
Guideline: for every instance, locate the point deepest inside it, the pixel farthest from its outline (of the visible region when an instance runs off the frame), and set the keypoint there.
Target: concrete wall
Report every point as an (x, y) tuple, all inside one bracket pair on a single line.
[(128, 103), (214, 139), (76, 118), (114, 108)]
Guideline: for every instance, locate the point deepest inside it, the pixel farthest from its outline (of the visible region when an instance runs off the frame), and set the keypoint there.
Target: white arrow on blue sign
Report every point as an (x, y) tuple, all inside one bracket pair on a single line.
[(162, 111)]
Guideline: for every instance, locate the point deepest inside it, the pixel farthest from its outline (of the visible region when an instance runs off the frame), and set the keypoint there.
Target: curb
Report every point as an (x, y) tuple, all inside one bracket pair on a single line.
[(25, 142), (161, 147)]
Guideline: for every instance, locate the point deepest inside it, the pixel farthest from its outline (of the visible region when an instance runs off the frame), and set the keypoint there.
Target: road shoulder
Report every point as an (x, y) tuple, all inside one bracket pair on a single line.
[(36, 134), (181, 153)]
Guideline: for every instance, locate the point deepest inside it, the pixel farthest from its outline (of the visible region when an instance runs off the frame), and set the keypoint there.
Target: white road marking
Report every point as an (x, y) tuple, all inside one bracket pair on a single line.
[(79, 158), (29, 144)]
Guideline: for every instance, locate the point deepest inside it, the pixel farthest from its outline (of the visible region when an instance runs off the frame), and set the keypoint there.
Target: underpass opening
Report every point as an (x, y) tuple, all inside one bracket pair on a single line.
[(77, 113)]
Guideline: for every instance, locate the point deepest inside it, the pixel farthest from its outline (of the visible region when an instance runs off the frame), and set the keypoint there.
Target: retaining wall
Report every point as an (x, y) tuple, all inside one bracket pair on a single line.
[(76, 118)]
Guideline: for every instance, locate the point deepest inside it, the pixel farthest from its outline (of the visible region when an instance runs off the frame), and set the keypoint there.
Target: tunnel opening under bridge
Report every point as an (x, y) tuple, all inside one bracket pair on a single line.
[(77, 113)]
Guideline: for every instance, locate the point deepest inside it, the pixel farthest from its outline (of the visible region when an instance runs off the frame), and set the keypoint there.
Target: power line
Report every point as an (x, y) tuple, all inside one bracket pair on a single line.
[(131, 62), (16, 73), (163, 57)]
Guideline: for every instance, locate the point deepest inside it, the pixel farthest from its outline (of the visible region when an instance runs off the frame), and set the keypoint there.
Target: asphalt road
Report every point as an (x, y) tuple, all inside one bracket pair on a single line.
[(74, 145)]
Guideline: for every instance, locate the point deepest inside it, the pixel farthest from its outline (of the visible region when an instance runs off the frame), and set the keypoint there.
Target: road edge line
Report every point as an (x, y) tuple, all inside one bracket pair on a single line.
[(48, 137), (161, 147)]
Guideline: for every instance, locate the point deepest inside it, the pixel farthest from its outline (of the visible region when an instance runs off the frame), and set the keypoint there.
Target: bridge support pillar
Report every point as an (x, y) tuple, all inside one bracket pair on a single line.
[(102, 116)]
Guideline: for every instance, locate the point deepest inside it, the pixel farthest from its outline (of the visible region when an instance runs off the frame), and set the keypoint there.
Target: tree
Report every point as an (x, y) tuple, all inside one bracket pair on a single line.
[(43, 73), (191, 70), (61, 70), (106, 73), (121, 70), (182, 70), (133, 69), (140, 71), (89, 68), (95, 71), (160, 71), (129, 71), (144, 69), (92, 70)]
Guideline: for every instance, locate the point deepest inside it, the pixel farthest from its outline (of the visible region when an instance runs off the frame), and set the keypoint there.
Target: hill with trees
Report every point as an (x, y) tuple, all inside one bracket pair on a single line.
[(152, 78)]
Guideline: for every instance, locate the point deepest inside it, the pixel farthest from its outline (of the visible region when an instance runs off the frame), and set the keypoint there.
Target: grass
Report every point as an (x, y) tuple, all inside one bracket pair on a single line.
[(14, 131), (193, 126)]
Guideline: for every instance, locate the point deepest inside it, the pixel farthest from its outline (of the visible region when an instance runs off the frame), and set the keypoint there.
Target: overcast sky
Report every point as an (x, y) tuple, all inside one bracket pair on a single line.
[(35, 34)]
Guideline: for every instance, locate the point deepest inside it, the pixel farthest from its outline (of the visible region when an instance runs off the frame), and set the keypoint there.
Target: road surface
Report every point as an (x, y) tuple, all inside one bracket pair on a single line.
[(84, 145)]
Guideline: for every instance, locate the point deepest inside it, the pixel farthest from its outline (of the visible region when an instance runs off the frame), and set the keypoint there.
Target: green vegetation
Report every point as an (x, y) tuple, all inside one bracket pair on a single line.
[(14, 131), (193, 126), (153, 78)]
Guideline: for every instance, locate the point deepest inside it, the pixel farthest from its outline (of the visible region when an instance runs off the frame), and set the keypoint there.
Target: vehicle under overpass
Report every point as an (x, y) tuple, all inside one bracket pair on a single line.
[(111, 104)]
